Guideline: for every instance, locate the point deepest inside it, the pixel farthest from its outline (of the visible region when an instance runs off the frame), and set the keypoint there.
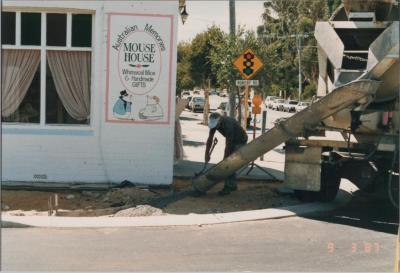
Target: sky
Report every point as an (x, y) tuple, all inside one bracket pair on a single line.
[(203, 14)]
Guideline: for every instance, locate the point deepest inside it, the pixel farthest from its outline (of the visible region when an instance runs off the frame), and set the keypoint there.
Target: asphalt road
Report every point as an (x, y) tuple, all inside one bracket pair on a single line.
[(353, 238)]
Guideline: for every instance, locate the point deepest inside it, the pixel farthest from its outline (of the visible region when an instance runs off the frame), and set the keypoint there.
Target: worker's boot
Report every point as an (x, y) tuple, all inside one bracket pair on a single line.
[(227, 190)]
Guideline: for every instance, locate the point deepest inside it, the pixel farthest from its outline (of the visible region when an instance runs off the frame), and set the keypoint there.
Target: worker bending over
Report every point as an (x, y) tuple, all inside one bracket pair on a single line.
[(235, 138)]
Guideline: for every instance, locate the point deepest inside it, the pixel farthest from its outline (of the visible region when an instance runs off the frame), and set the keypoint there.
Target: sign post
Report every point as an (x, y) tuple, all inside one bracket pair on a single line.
[(249, 82), (256, 109), (247, 64), (246, 105)]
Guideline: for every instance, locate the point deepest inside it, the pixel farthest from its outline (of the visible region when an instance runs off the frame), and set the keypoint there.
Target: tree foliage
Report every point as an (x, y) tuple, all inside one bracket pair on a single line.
[(286, 25), (184, 79), (202, 46)]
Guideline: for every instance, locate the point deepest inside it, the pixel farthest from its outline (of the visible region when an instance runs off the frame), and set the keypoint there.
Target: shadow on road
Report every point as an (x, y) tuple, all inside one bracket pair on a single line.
[(193, 143), (187, 118), (367, 211), (188, 169)]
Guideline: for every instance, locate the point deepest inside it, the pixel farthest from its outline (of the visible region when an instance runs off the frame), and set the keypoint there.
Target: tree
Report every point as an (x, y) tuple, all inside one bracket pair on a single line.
[(202, 46), (333, 5), (200, 69), (224, 54), (286, 25), (183, 78)]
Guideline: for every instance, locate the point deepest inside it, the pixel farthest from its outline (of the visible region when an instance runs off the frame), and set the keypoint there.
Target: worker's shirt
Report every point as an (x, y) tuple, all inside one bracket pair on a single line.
[(232, 131)]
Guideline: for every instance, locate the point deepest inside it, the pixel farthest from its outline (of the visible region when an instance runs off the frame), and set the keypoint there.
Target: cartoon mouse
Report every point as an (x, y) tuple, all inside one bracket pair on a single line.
[(152, 110), (123, 106)]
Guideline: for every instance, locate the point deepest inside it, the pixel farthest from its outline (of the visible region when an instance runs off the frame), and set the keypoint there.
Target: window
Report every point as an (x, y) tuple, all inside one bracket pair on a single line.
[(30, 28), (63, 94), (56, 29), (81, 30), (8, 28), (28, 110)]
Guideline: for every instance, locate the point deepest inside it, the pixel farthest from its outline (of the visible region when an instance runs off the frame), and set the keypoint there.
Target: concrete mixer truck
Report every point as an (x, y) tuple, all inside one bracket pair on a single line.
[(351, 130)]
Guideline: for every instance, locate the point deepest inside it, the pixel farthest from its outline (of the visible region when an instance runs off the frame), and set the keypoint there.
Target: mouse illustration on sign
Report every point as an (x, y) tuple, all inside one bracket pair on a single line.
[(152, 110), (123, 106)]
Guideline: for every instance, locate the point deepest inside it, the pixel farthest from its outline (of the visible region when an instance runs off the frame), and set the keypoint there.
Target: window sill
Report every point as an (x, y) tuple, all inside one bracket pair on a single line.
[(33, 129)]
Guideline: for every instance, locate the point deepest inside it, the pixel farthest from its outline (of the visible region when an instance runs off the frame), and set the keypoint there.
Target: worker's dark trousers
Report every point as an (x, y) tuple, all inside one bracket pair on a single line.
[(230, 182)]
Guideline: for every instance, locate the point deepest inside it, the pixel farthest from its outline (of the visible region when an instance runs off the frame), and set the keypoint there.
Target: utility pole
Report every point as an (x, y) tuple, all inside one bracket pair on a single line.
[(232, 32), (298, 45), (299, 54)]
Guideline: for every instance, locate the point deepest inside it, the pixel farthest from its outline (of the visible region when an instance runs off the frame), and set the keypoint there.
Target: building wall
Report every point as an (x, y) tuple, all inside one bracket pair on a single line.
[(102, 152)]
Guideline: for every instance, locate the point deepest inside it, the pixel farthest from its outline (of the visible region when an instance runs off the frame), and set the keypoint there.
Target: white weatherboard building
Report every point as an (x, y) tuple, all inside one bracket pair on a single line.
[(88, 91)]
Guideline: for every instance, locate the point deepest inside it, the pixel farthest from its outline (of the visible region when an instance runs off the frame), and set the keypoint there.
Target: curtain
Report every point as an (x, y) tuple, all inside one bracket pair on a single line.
[(17, 71), (71, 75)]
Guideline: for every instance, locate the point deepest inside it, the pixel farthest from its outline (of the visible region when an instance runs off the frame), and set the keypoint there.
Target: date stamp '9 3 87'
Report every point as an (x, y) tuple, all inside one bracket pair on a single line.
[(364, 247)]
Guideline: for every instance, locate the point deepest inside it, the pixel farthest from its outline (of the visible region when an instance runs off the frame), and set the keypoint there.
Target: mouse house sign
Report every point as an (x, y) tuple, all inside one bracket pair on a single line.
[(139, 68)]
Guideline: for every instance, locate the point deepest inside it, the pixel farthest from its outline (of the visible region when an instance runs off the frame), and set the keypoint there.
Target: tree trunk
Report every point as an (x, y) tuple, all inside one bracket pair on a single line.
[(206, 109)]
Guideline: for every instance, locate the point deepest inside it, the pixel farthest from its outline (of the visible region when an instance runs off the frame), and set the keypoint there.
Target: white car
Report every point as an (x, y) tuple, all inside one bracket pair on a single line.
[(302, 105), (278, 104), (269, 100), (196, 104), (290, 106)]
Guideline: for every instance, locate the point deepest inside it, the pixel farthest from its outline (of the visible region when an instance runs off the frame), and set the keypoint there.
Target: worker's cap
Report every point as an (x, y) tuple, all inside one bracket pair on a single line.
[(213, 120)]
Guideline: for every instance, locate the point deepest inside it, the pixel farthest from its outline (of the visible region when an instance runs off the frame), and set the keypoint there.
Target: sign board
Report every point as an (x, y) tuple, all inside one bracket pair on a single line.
[(256, 110), (139, 68), (249, 82), (248, 64), (257, 100)]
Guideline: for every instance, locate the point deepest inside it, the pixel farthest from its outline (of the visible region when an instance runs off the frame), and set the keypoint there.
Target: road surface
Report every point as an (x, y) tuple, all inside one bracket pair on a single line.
[(356, 238)]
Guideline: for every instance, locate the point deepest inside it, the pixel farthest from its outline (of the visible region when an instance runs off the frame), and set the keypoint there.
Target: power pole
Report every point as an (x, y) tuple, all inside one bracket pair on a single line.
[(299, 53), (298, 45), (232, 32)]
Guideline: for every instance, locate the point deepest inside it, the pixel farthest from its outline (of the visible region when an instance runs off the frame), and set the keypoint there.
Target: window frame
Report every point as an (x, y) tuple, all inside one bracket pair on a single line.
[(43, 63)]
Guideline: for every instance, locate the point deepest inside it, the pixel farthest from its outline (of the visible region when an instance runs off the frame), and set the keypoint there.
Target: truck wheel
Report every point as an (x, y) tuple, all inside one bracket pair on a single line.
[(330, 182)]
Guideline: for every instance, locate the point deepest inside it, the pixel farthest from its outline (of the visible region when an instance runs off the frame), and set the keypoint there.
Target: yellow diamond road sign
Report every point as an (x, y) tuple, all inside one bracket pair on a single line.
[(248, 63)]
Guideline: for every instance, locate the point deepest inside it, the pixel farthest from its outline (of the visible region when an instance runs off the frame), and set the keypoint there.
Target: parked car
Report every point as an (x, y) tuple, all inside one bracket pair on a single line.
[(302, 105), (196, 104), (213, 91), (271, 102), (189, 98), (290, 106), (278, 104), (268, 101)]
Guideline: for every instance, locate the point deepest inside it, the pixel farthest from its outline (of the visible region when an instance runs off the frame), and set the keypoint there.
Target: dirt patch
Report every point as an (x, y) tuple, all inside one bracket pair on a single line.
[(133, 201), (251, 195)]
